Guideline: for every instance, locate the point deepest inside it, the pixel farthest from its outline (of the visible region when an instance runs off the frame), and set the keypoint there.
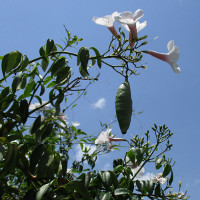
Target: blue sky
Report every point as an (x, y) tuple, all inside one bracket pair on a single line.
[(162, 95)]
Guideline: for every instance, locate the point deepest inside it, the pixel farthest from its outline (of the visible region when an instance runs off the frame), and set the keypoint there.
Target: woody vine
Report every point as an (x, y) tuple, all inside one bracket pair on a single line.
[(36, 139)]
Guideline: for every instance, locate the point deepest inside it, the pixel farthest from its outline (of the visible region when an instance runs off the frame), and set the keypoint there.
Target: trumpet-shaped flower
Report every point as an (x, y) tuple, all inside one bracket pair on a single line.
[(130, 22), (105, 137), (171, 57), (107, 21)]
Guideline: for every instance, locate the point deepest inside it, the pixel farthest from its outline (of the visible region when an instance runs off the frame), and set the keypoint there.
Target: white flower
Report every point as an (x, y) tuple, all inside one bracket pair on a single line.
[(130, 22), (171, 57), (107, 21), (105, 137), (36, 105), (135, 167), (75, 124), (159, 178)]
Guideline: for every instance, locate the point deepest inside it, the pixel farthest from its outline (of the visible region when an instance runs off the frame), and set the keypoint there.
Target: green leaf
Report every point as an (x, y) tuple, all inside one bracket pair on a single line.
[(131, 156), (29, 88), (10, 159), (47, 131), (123, 106), (93, 62), (157, 190), (33, 73), (106, 178), (43, 190), (44, 64), (7, 101), (36, 124), (149, 186), (159, 162), (8, 156), (47, 79), (78, 57), (24, 63), (171, 178), (57, 66), (114, 179), (64, 162), (11, 61), (24, 110), (46, 166), (51, 97), (83, 73), (118, 169), (42, 51), (51, 84), (97, 55), (22, 83), (35, 156), (106, 196), (79, 188), (140, 154), (83, 57), (121, 191), (4, 92), (16, 82), (87, 179), (49, 46), (63, 75), (167, 170), (140, 185), (42, 90), (38, 98)]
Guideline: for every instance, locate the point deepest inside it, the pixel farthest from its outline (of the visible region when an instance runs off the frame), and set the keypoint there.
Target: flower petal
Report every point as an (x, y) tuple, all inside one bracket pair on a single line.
[(170, 45), (138, 14), (175, 67), (127, 15), (107, 20), (174, 54), (140, 26)]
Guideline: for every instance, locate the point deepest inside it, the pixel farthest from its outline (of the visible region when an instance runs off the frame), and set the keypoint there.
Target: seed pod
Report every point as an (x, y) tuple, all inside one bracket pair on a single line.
[(123, 106)]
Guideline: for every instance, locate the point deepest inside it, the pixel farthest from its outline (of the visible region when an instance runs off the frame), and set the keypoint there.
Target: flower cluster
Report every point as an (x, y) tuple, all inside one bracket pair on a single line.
[(130, 22), (127, 19)]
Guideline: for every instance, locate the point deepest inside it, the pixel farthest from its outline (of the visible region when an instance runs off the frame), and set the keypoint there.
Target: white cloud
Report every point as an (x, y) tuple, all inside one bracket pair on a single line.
[(100, 104)]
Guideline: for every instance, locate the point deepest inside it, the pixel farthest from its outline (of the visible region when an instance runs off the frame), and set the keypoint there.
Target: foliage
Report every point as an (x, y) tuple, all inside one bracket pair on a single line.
[(36, 139)]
